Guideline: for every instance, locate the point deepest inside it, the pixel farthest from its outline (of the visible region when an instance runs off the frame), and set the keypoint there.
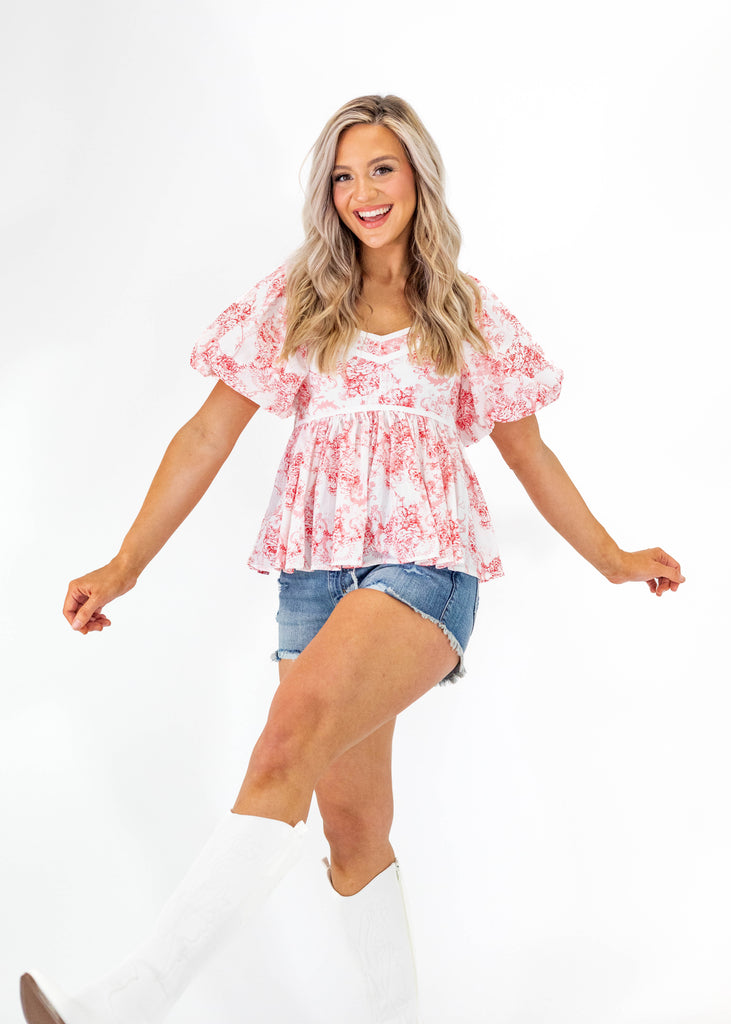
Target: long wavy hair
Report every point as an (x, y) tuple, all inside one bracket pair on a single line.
[(324, 278)]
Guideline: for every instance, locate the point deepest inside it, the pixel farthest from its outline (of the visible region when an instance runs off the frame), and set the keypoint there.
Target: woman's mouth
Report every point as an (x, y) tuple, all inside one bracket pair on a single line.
[(375, 217)]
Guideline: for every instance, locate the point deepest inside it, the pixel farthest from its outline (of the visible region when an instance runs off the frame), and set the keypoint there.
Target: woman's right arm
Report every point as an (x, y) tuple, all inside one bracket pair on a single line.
[(192, 460)]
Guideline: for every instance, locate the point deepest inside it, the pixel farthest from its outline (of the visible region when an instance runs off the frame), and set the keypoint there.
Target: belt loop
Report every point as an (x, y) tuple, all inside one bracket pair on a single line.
[(348, 580)]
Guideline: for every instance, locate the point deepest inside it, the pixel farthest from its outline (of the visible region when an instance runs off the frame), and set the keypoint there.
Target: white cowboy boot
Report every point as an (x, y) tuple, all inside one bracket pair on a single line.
[(376, 922), (237, 869)]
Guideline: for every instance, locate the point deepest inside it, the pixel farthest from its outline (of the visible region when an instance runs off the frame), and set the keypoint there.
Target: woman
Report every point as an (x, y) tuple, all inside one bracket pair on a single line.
[(391, 360)]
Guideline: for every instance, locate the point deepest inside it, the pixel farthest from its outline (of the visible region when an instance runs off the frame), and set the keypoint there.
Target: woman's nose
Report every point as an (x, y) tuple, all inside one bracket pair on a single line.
[(364, 190)]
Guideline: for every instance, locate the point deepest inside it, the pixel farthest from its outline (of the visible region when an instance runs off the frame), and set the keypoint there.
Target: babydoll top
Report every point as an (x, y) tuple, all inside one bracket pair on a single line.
[(375, 469)]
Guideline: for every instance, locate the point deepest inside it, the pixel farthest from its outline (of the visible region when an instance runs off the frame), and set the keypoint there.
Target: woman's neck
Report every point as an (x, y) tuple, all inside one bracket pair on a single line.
[(384, 267)]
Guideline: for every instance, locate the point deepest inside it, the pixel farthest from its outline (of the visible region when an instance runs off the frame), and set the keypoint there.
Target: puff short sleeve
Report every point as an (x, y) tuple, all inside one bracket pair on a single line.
[(512, 382), (241, 347)]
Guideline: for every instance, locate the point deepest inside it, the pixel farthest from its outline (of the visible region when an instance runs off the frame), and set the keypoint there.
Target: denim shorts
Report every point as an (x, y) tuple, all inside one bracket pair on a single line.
[(443, 596)]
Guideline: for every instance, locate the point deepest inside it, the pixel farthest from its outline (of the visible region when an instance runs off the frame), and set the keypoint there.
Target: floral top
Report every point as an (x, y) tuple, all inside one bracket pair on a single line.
[(375, 469)]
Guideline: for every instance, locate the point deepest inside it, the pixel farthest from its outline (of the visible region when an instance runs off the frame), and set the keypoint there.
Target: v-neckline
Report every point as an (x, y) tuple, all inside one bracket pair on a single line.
[(386, 337)]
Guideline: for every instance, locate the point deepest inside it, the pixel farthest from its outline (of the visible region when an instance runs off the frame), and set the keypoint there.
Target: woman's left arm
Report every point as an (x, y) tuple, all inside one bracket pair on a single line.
[(553, 493)]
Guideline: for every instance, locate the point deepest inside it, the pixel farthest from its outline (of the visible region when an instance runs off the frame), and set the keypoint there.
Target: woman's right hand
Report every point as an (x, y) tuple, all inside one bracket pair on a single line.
[(86, 596)]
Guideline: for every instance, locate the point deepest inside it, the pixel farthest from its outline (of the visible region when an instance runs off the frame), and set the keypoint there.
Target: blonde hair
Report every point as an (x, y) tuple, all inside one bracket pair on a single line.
[(324, 278)]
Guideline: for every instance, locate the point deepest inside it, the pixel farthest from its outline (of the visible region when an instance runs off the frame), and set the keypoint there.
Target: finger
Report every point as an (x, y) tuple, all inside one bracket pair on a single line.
[(652, 584), (668, 566), (671, 573), (86, 612), (94, 626), (98, 620), (72, 603), (668, 584), (79, 604)]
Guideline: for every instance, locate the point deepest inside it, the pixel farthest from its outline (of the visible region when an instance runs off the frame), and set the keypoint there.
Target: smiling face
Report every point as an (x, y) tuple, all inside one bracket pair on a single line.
[(374, 190)]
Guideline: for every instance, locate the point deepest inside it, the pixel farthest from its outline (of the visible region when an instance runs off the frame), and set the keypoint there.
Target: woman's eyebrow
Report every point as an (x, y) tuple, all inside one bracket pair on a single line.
[(376, 160)]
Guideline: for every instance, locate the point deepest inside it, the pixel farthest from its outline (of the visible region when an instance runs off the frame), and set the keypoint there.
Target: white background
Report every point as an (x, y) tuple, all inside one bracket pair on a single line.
[(563, 813)]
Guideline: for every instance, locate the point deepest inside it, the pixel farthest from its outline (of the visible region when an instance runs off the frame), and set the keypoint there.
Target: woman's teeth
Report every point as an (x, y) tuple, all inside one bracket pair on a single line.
[(371, 214)]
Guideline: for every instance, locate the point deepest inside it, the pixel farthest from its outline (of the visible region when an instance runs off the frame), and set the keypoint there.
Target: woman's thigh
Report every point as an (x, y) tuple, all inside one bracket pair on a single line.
[(372, 658), (445, 597)]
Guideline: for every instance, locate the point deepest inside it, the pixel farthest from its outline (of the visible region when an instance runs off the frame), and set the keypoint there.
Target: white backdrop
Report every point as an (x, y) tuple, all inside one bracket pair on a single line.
[(563, 815)]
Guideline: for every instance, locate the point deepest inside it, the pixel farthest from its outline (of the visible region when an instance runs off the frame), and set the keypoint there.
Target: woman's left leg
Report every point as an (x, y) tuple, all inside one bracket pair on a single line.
[(355, 798)]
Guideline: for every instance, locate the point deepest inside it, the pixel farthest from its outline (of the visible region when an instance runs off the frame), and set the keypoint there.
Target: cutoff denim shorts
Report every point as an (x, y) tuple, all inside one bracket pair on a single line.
[(444, 596)]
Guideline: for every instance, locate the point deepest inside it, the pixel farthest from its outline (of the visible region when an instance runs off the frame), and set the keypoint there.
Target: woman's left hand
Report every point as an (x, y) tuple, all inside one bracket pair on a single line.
[(654, 566)]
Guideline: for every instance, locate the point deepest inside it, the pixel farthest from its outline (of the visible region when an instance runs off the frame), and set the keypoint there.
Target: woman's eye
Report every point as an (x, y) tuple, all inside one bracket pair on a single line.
[(345, 176)]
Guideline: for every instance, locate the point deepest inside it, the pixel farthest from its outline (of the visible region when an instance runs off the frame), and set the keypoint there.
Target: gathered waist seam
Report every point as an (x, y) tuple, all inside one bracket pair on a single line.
[(376, 408)]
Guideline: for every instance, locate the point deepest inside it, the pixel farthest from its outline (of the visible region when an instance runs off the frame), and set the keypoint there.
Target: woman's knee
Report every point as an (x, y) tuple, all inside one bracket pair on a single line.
[(276, 757), (289, 744), (351, 828)]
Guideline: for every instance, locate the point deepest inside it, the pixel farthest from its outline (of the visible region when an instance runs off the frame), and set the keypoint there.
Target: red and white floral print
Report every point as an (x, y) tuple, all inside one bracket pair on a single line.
[(375, 468)]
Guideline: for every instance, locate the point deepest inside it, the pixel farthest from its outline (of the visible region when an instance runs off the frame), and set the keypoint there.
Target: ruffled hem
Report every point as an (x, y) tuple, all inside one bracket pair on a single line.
[(483, 573), (370, 487)]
